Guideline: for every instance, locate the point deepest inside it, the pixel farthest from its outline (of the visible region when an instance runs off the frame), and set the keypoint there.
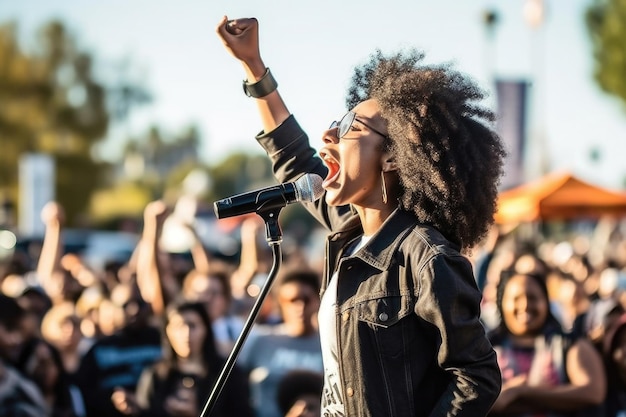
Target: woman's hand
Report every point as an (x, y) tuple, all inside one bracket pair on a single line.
[(182, 404), (241, 39), (52, 213), (125, 402), (510, 392), (155, 213)]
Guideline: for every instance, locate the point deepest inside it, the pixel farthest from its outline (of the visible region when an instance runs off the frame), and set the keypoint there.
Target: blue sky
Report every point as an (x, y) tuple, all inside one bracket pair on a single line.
[(312, 46)]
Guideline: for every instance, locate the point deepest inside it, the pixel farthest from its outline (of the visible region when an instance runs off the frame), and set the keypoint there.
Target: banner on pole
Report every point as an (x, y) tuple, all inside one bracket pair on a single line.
[(511, 126)]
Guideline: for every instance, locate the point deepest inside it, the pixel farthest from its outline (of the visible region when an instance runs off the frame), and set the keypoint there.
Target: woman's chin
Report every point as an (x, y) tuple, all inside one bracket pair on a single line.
[(333, 199)]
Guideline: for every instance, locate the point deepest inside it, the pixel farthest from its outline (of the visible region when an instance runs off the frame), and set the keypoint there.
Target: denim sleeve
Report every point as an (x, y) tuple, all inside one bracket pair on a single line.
[(449, 299)]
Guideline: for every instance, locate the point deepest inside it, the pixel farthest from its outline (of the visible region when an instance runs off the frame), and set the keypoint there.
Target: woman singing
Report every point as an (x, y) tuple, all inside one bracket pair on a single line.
[(411, 174)]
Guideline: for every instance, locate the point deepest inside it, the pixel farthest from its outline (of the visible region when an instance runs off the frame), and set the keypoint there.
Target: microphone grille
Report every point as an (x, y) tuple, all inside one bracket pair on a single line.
[(309, 187)]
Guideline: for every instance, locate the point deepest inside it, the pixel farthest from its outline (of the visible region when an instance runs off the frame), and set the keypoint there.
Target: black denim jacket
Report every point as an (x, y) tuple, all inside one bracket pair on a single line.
[(408, 329)]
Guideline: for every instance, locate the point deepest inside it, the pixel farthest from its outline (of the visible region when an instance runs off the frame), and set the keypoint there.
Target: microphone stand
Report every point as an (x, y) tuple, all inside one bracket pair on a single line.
[(274, 239)]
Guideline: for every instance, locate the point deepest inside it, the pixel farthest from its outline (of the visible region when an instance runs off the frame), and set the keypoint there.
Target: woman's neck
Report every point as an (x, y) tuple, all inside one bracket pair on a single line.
[(523, 341), (300, 329), (373, 218), (192, 365), (70, 359)]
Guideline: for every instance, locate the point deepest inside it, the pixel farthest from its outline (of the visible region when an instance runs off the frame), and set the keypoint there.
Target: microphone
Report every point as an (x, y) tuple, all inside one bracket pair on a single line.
[(306, 188)]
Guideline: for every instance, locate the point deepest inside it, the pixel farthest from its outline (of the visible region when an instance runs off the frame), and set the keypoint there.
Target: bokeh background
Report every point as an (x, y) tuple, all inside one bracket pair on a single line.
[(105, 106)]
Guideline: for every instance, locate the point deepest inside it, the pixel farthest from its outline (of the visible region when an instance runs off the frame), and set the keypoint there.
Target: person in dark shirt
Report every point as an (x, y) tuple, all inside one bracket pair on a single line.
[(19, 396), (41, 362), (179, 384), (117, 361)]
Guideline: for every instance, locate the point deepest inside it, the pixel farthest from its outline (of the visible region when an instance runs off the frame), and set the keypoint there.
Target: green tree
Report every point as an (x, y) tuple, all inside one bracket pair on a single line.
[(238, 173), (606, 22), (51, 104)]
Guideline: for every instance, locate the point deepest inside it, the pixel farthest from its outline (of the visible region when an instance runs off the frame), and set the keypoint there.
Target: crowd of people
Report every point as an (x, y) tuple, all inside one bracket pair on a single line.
[(151, 340), (554, 308), (149, 336)]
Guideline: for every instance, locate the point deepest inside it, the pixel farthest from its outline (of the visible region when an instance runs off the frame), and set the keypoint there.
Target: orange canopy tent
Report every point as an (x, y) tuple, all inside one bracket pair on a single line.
[(558, 196)]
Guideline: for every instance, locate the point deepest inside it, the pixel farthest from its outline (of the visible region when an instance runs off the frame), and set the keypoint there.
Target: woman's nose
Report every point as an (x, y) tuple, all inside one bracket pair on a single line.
[(330, 135), (522, 303)]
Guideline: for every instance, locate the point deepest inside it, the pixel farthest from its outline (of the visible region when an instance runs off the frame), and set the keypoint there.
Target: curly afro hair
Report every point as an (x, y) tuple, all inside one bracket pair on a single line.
[(448, 155)]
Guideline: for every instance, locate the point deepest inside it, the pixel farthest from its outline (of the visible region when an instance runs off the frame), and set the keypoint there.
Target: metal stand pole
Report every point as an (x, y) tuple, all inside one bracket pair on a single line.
[(274, 239)]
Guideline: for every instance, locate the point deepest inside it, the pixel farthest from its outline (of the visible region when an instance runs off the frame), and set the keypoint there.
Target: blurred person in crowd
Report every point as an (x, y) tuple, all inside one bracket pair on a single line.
[(180, 383), (18, 263), (155, 276), (614, 354), (61, 328), (32, 298), (35, 300), (117, 360), (529, 262), (543, 371), (98, 315), (115, 271), (13, 335), (604, 309), (578, 266), (59, 274), (160, 274), (19, 396), (212, 289), (253, 266), (36, 303), (503, 258), (241, 286), (569, 300), (300, 393), (251, 274), (573, 258), (522, 258), (208, 282), (411, 174), (13, 285), (274, 350), (42, 363), (499, 239)]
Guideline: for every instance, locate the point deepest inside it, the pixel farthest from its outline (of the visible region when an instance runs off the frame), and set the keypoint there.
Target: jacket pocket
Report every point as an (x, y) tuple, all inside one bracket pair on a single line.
[(383, 316)]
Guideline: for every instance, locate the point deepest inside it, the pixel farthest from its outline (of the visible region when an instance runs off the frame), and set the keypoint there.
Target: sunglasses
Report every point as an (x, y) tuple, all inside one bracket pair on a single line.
[(345, 124)]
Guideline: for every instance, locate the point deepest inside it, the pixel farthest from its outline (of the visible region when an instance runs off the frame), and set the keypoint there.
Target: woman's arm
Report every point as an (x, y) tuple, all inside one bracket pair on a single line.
[(282, 138), (249, 259), (450, 301), (241, 39), (150, 272), (49, 261), (586, 386)]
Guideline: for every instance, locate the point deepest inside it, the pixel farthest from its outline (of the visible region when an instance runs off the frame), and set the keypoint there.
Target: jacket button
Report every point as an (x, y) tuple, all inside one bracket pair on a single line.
[(345, 316), (383, 316), (350, 392)]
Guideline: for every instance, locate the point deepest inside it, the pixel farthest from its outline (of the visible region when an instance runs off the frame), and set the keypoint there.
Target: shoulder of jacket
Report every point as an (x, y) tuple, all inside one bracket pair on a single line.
[(432, 241)]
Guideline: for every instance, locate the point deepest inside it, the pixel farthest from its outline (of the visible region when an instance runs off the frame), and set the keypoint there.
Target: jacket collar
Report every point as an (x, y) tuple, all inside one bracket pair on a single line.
[(380, 249)]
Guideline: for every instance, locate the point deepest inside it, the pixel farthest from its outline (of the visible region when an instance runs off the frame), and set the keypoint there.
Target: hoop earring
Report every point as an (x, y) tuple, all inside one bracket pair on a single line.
[(384, 186)]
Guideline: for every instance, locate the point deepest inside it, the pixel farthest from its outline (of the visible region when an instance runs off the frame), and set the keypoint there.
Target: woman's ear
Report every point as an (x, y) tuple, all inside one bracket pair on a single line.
[(389, 163)]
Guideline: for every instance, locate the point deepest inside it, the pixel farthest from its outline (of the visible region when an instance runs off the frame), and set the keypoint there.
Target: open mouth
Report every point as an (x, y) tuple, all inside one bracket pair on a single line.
[(333, 169)]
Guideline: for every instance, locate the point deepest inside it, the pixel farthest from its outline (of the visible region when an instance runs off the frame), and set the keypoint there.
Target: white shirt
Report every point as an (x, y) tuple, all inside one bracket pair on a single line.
[(332, 396)]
